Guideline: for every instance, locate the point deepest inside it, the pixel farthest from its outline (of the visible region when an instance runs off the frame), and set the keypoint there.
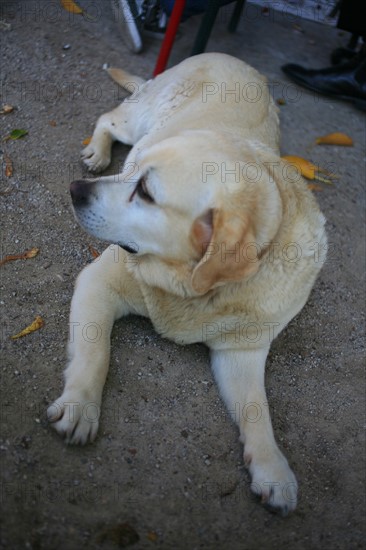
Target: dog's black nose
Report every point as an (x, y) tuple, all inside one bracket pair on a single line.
[(81, 191)]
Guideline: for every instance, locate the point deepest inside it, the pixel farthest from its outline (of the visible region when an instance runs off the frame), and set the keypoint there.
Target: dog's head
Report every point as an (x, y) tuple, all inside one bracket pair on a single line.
[(200, 201)]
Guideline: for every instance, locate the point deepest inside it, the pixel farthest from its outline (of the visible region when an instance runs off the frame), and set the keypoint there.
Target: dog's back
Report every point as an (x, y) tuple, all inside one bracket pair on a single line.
[(209, 91)]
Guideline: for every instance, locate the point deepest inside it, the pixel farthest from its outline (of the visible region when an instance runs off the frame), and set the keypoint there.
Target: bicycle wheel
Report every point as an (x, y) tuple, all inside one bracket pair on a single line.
[(127, 17)]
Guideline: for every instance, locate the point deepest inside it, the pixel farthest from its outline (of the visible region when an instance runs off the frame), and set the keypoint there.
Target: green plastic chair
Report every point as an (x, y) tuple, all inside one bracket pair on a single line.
[(208, 20)]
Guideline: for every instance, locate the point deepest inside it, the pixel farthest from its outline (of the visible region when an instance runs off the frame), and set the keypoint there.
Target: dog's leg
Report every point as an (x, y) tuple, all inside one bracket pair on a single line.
[(240, 376), (118, 125), (104, 292), (112, 126)]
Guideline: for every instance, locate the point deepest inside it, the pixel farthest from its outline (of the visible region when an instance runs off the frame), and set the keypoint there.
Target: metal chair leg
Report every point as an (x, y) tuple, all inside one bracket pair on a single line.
[(238, 10), (207, 22)]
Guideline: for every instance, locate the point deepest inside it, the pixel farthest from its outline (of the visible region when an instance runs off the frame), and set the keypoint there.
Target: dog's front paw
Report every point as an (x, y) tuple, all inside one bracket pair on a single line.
[(75, 417), (95, 158), (274, 481)]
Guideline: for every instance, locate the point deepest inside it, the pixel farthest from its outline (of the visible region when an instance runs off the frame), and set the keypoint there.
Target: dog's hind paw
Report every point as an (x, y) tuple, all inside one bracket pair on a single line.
[(75, 418)]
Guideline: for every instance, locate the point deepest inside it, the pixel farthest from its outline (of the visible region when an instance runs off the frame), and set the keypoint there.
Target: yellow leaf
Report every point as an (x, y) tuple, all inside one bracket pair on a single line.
[(87, 141), (308, 169), (69, 5), (314, 187), (36, 325), (305, 167), (337, 138)]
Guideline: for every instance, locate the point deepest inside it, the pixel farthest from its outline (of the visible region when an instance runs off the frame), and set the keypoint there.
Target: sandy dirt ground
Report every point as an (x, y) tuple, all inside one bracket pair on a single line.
[(166, 470)]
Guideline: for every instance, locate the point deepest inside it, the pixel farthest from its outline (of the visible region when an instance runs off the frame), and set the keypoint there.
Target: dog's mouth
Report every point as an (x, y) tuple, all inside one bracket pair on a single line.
[(128, 248)]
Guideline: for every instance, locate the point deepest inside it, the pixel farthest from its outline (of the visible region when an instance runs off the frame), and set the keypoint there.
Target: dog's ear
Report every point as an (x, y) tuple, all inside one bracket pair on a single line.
[(230, 252), (201, 233)]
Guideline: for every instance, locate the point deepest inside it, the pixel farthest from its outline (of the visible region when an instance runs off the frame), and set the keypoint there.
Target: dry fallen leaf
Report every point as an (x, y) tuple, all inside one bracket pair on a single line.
[(337, 138), (4, 26), (36, 325), (94, 252), (87, 141), (25, 256), (152, 536), (308, 169), (7, 191), (8, 166), (71, 6), (30, 253), (52, 123), (314, 187), (122, 535), (6, 109), (17, 133)]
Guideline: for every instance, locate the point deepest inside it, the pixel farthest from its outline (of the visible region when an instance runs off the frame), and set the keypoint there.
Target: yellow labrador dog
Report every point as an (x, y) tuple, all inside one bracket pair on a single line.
[(216, 240)]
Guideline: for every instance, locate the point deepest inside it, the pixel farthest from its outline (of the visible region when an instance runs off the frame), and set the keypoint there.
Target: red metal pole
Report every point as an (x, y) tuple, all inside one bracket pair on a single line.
[(170, 33)]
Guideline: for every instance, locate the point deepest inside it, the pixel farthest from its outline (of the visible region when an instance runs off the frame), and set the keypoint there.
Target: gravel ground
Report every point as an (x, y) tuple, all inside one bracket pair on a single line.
[(166, 470)]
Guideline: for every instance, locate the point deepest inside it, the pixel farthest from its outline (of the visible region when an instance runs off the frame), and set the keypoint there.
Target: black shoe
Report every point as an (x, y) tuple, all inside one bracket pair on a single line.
[(342, 55), (345, 54), (347, 81), (154, 19)]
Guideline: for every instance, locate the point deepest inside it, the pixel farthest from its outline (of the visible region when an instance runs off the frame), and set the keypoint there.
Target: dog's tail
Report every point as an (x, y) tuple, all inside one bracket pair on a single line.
[(128, 81)]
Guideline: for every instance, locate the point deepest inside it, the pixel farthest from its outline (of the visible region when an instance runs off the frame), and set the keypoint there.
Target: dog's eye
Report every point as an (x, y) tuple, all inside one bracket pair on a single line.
[(143, 192)]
